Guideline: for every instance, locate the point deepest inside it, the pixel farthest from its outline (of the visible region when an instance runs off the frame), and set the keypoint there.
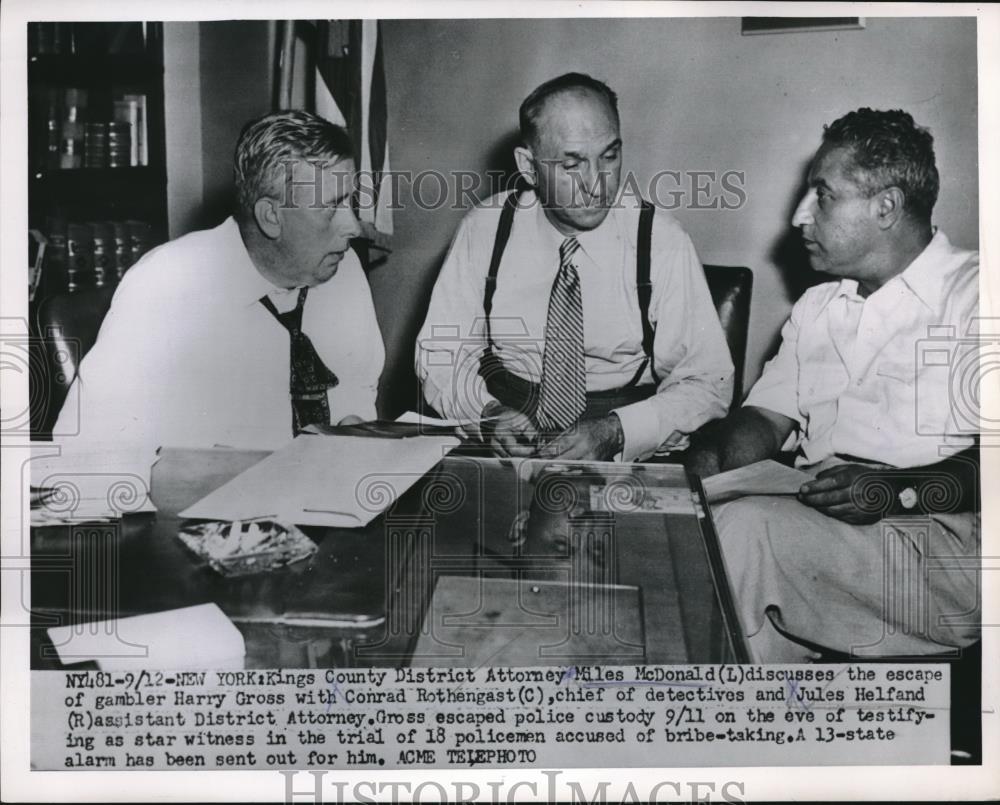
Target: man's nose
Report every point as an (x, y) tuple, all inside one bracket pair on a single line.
[(590, 182), (804, 212), (353, 225)]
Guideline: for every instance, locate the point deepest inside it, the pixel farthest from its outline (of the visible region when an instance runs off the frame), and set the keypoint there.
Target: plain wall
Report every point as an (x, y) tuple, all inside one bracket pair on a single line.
[(217, 76), (694, 95), (182, 112)]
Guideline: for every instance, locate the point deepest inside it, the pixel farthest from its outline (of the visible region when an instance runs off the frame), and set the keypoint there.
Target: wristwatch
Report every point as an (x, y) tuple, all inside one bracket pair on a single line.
[(908, 498)]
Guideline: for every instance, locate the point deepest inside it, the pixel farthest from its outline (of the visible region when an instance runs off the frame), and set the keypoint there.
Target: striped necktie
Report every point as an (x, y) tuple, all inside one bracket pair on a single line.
[(563, 393), (310, 377)]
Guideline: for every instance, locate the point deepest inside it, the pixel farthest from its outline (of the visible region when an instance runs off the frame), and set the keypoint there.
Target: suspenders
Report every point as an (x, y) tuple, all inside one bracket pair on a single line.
[(644, 286)]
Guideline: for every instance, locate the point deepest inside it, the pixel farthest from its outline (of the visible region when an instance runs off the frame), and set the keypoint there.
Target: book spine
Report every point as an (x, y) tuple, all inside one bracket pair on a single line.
[(55, 254), (140, 236), (80, 253), (127, 111), (143, 139), (104, 273), (123, 250)]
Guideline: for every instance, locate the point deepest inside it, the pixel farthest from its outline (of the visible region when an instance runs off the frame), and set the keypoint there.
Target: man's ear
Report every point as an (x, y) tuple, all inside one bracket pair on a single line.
[(265, 213), (525, 161), (890, 206)]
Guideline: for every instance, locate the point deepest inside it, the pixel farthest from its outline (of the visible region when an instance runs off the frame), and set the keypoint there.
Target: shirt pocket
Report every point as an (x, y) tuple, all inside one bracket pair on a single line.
[(898, 402)]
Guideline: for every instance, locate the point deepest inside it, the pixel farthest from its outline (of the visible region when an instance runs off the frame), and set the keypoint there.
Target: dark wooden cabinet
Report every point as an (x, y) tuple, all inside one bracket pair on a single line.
[(96, 147)]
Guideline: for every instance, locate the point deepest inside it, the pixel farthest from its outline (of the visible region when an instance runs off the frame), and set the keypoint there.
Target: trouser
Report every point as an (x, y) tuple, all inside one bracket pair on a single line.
[(803, 580)]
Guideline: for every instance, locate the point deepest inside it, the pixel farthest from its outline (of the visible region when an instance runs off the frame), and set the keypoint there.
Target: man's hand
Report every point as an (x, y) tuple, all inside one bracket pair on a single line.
[(509, 433), (831, 493), (592, 439)]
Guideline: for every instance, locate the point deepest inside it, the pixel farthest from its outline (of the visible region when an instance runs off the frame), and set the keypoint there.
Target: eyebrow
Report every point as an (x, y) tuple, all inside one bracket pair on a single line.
[(578, 155), (339, 199)]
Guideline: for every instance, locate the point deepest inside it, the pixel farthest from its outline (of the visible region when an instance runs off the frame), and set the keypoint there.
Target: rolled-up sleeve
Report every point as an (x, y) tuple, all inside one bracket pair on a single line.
[(689, 349), (452, 338), (777, 388)]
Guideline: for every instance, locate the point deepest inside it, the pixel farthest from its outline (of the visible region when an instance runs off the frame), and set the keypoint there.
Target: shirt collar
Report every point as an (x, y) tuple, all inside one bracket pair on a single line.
[(923, 277), (245, 282), (848, 288), (592, 242)]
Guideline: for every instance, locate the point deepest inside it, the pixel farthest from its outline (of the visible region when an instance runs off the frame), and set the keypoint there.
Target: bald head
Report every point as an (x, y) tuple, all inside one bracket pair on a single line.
[(568, 89)]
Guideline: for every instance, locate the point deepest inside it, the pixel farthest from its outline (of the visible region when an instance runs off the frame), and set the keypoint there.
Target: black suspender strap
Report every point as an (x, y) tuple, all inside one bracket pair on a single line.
[(499, 244), (644, 289)]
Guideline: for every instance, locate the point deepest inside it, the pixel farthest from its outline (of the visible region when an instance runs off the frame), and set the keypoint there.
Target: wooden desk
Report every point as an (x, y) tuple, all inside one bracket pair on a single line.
[(364, 597)]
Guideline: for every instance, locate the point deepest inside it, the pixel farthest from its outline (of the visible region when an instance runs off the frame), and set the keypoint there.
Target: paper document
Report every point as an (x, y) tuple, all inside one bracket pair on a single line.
[(88, 484), (414, 418), (763, 478), (338, 481), (199, 637)]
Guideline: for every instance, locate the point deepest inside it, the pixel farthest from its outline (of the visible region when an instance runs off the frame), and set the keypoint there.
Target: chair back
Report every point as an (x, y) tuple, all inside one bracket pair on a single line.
[(68, 324), (731, 288)]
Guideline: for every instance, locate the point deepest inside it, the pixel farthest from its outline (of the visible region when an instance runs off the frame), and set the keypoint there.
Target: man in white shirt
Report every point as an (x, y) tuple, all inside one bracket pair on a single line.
[(570, 313), (879, 554), (244, 334)]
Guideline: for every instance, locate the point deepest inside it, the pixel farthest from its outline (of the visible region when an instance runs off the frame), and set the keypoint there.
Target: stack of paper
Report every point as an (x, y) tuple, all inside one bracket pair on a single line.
[(422, 419), (339, 481), (199, 637), (88, 484), (762, 478)]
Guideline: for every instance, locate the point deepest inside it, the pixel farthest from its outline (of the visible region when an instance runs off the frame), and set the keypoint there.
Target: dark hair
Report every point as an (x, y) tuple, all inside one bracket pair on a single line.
[(270, 141), (889, 150), (532, 106)]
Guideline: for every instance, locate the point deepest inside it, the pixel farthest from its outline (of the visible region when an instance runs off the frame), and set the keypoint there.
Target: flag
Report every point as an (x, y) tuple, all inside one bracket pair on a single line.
[(350, 91)]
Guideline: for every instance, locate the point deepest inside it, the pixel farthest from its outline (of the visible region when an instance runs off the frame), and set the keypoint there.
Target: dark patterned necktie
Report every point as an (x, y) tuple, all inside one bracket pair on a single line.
[(563, 393), (310, 377)]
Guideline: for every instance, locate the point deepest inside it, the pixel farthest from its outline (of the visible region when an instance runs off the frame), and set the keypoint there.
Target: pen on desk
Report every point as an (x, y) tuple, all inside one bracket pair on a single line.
[(40, 494)]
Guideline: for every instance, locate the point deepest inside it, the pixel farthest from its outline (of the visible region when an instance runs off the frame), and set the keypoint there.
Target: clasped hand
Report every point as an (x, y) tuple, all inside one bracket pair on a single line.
[(512, 433)]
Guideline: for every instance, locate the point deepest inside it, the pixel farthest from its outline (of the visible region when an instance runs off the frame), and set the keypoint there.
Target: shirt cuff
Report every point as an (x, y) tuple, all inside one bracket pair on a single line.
[(781, 400), (640, 425)]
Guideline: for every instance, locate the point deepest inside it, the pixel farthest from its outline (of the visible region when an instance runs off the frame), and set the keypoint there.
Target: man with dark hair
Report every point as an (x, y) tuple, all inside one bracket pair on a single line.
[(568, 317), (878, 555), (247, 333)]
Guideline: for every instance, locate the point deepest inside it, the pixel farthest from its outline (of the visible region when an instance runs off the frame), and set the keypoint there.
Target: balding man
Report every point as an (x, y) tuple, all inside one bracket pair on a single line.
[(569, 317)]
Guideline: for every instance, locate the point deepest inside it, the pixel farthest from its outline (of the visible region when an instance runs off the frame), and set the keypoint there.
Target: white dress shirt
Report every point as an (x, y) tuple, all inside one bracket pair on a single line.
[(874, 378), (188, 356), (690, 352)]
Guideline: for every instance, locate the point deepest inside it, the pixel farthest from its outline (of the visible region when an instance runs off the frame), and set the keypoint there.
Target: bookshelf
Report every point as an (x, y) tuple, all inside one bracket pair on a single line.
[(96, 164)]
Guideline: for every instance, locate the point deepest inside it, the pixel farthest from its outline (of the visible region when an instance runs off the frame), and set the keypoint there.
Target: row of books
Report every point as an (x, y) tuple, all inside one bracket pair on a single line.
[(87, 38), (73, 141), (69, 256)]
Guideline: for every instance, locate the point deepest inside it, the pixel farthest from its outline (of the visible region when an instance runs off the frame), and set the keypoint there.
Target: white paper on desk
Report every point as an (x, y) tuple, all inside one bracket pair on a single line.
[(199, 637), (413, 418), (762, 478), (87, 483), (338, 481)]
